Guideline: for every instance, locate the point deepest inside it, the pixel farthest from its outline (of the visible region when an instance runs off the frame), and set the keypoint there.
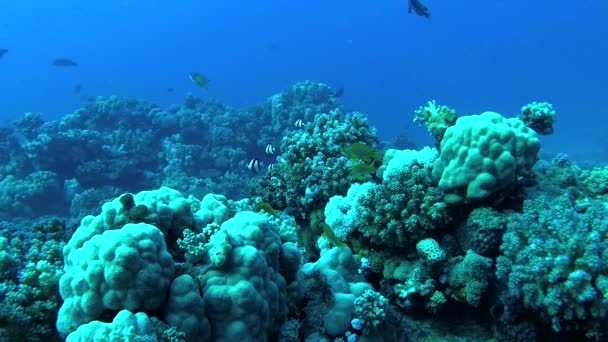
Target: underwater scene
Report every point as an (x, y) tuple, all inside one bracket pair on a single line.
[(391, 171)]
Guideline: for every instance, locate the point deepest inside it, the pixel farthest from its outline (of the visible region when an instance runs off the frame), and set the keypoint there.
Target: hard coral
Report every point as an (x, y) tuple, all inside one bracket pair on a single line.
[(312, 167), (483, 154), (437, 118), (553, 260), (539, 116), (400, 211)]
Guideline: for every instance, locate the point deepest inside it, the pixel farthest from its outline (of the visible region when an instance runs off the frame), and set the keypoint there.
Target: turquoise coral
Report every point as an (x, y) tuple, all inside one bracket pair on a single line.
[(128, 268), (398, 212), (484, 154), (248, 284), (469, 278), (312, 168), (418, 235), (595, 181), (553, 260)]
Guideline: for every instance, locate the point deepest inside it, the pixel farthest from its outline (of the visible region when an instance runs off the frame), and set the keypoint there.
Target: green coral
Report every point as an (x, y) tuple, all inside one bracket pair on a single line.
[(437, 118), (30, 268), (469, 277), (595, 181)]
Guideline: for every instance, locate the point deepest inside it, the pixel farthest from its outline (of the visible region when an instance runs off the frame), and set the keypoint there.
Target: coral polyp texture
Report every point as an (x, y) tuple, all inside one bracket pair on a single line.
[(312, 166), (483, 154), (129, 268), (554, 261), (396, 212), (437, 118), (125, 221), (540, 116)]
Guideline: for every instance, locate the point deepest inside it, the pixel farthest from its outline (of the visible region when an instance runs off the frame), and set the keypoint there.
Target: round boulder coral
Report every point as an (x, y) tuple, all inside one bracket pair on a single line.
[(483, 154)]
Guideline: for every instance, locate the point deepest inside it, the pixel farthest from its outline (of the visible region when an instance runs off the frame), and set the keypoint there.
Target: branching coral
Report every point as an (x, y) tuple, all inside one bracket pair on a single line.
[(30, 267), (312, 167), (539, 116), (554, 260), (405, 208), (437, 118)]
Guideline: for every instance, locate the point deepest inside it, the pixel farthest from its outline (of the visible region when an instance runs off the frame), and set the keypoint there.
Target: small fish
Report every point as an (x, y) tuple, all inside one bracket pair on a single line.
[(270, 166), (418, 8), (254, 165), (199, 79), (270, 150), (3, 52), (299, 123), (170, 90), (64, 62)]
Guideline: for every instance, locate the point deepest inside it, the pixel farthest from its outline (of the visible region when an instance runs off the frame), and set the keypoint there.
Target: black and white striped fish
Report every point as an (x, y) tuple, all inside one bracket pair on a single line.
[(299, 123), (270, 150), (254, 165)]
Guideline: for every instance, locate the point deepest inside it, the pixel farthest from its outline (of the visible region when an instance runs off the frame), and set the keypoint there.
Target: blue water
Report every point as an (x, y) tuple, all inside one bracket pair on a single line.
[(471, 55), (491, 249)]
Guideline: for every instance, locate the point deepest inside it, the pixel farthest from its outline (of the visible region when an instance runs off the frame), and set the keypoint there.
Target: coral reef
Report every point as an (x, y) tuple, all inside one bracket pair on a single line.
[(163, 234), (129, 145)]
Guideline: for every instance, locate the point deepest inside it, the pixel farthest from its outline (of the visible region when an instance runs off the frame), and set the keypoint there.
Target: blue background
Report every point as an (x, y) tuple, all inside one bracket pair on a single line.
[(472, 55)]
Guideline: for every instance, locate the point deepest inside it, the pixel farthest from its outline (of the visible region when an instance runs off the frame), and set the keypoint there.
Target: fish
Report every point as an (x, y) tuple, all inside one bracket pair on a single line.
[(418, 8), (329, 234), (254, 165), (299, 123), (270, 166), (3, 52), (170, 90), (199, 79), (270, 150), (64, 62)]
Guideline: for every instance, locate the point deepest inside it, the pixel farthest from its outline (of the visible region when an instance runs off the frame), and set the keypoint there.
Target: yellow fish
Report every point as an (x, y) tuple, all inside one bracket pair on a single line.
[(199, 79)]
